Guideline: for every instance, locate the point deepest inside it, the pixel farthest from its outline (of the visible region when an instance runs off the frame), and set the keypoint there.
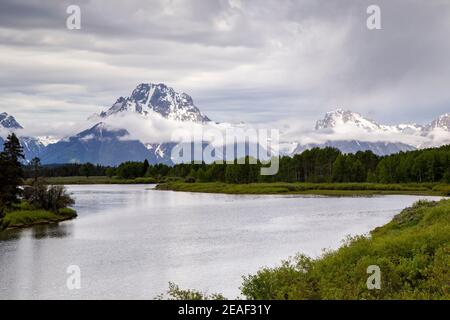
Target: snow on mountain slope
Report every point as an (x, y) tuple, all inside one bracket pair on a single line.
[(159, 98), (32, 147), (47, 140), (381, 139), (443, 122), (8, 122), (340, 117)]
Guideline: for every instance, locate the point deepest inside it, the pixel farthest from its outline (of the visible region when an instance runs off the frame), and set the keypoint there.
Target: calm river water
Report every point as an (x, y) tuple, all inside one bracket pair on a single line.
[(130, 241)]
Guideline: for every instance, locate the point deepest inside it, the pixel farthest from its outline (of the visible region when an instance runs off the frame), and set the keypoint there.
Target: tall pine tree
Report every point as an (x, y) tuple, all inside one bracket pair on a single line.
[(11, 173)]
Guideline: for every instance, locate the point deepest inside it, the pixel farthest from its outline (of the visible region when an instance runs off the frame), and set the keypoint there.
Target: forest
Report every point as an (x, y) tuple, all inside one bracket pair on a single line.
[(315, 166)]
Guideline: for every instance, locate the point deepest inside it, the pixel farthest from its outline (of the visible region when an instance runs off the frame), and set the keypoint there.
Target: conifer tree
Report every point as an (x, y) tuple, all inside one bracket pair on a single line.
[(11, 172)]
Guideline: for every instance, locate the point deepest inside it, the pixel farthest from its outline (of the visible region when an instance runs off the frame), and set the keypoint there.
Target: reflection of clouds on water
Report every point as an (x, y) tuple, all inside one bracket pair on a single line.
[(130, 241)]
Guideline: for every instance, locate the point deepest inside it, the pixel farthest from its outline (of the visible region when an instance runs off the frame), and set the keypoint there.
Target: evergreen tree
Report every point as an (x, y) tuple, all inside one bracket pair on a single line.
[(145, 167), (11, 173), (87, 169), (36, 165)]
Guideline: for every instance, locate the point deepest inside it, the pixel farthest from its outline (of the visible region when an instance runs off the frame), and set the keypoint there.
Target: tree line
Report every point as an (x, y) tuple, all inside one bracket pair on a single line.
[(315, 165)]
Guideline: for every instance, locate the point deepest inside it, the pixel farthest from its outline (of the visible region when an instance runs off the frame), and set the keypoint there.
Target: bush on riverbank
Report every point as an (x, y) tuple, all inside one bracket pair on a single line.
[(25, 214), (175, 293), (412, 251), (52, 198)]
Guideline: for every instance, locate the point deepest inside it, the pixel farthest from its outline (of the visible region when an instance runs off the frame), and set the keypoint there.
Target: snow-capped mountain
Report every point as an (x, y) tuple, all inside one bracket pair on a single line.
[(159, 98), (443, 122), (46, 140), (32, 147), (340, 118), (8, 122), (111, 145)]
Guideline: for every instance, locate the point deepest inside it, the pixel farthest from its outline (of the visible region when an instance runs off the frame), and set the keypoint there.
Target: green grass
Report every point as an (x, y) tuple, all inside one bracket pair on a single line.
[(412, 252), (309, 188), (94, 180), (24, 215)]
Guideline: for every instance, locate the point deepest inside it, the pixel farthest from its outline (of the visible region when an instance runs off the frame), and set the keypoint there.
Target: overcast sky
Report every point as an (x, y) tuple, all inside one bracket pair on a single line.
[(241, 60)]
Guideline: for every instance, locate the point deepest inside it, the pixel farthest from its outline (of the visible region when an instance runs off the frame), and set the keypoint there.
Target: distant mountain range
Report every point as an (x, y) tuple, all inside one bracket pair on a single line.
[(353, 121), (106, 144), (340, 117)]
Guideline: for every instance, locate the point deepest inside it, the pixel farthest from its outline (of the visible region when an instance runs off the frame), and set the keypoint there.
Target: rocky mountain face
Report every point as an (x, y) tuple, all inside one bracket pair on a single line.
[(159, 98)]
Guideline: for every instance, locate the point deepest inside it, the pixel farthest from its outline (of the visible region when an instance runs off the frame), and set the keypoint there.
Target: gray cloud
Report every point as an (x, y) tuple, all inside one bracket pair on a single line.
[(250, 60)]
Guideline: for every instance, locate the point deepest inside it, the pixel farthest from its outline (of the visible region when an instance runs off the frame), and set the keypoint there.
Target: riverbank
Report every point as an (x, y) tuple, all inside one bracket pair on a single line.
[(24, 216), (93, 180), (405, 259), (331, 189), (411, 254)]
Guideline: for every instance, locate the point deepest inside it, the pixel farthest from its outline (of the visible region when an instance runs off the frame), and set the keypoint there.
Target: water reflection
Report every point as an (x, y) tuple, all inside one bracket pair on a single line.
[(52, 231), (42, 231), (130, 241)]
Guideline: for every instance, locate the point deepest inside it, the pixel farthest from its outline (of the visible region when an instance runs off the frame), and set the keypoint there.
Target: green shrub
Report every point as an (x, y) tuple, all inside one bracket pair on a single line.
[(175, 293), (53, 198)]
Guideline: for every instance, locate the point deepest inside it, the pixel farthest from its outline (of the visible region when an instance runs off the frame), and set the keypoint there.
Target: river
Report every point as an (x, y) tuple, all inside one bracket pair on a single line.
[(129, 241)]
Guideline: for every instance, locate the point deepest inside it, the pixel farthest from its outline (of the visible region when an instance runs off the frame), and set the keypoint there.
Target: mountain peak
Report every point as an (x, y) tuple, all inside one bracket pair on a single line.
[(159, 98), (102, 130), (9, 122), (340, 116), (442, 122)]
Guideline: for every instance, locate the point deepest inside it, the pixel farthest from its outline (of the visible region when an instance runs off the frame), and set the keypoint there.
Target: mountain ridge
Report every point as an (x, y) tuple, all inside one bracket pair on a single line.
[(147, 98), (159, 98)]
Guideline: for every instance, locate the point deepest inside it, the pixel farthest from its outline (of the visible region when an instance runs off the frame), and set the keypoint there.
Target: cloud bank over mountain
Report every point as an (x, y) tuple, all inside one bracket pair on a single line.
[(258, 61)]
